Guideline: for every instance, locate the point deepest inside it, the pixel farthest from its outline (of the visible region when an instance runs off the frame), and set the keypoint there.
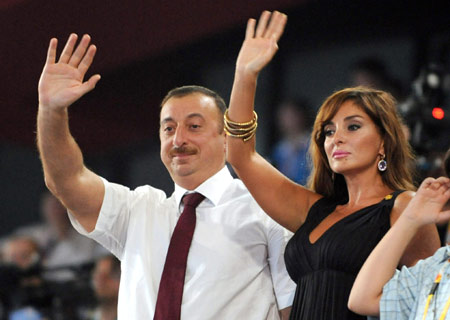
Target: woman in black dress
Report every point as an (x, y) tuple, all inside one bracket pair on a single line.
[(360, 184)]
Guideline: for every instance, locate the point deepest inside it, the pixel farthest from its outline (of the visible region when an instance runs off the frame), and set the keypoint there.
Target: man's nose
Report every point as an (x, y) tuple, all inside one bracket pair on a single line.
[(179, 137)]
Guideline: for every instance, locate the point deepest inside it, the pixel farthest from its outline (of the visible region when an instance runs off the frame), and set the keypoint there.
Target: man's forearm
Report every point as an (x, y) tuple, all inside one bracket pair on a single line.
[(60, 155)]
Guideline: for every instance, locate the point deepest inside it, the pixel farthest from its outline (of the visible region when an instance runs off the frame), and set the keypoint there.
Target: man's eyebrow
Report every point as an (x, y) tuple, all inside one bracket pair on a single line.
[(189, 116), (195, 115), (165, 120)]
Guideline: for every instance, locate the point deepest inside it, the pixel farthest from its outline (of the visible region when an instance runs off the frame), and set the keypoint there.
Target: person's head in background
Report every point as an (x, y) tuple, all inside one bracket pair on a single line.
[(372, 72), (293, 118), (21, 251), (106, 279)]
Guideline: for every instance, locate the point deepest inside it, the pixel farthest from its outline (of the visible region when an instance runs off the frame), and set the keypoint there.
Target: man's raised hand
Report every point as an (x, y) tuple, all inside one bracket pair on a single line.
[(62, 82)]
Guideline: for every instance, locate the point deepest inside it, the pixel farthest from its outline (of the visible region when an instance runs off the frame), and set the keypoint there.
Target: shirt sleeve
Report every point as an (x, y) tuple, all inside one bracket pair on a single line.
[(284, 287), (112, 224)]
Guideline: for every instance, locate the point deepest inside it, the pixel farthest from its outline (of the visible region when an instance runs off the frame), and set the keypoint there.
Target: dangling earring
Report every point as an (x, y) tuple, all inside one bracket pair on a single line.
[(382, 164)]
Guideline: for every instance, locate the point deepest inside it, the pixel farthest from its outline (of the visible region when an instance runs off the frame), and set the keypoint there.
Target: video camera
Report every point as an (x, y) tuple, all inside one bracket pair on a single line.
[(427, 114), (427, 110), (53, 300)]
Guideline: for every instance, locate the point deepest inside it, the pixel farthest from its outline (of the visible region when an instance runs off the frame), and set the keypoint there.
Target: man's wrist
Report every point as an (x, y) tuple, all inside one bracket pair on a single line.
[(52, 108)]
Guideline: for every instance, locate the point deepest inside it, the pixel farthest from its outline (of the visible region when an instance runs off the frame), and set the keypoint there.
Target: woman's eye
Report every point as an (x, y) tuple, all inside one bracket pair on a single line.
[(354, 127), (328, 132)]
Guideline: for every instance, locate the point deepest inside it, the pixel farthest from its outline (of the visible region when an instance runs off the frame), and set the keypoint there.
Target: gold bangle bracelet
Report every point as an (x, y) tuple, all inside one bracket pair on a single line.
[(242, 130), (238, 129), (244, 136), (240, 124)]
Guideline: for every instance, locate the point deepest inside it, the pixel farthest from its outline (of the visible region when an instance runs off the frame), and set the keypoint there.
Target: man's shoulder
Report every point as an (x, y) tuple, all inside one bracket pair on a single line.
[(139, 193), (238, 191)]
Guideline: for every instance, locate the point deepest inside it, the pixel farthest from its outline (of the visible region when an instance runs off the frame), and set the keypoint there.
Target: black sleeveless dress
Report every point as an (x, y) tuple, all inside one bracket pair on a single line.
[(325, 271)]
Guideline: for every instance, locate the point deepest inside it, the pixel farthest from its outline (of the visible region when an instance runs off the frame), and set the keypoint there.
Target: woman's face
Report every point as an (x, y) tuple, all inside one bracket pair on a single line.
[(352, 143)]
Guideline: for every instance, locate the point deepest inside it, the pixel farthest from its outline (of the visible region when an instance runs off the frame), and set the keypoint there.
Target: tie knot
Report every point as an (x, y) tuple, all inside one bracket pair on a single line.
[(193, 199)]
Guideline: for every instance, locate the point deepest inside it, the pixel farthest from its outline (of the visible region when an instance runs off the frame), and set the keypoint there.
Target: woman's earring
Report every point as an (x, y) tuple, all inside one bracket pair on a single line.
[(382, 164)]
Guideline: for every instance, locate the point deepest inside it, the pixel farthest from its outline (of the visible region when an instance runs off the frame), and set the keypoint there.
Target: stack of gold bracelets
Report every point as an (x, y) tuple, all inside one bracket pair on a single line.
[(242, 130)]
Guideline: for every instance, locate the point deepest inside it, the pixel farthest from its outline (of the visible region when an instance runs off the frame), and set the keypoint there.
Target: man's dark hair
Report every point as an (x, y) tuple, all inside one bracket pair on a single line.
[(192, 89), (187, 90)]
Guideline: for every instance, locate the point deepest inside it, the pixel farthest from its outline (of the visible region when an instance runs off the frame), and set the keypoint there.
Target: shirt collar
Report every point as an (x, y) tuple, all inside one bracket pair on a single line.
[(447, 252), (213, 188)]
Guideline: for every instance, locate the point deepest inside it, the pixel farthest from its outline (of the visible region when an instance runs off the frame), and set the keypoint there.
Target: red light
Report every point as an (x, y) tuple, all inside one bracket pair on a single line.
[(438, 113)]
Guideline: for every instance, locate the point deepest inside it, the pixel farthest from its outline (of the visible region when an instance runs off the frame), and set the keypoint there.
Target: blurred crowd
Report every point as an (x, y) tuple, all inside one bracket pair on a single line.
[(49, 271)]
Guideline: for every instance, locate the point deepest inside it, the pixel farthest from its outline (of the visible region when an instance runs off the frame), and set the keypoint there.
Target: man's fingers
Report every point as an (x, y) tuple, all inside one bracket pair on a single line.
[(250, 31), (262, 24), (51, 53), (87, 59), (88, 85), (68, 48), (92, 82), (80, 51)]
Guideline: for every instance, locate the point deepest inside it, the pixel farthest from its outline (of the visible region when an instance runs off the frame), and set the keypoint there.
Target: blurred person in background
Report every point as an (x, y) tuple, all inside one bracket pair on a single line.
[(290, 153), (372, 72), (21, 251), (61, 246), (105, 282), (22, 290)]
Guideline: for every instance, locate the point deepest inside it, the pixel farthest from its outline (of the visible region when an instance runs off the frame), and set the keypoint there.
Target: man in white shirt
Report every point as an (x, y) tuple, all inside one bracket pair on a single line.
[(235, 267)]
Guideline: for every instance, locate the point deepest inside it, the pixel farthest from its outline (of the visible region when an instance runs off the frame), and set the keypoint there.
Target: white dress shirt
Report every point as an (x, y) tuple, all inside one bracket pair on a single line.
[(235, 267)]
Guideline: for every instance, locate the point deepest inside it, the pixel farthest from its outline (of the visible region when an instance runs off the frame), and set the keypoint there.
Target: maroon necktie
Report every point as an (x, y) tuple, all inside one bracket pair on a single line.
[(170, 294)]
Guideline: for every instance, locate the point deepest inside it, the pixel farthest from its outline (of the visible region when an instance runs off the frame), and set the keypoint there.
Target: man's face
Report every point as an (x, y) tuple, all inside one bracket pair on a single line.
[(192, 142)]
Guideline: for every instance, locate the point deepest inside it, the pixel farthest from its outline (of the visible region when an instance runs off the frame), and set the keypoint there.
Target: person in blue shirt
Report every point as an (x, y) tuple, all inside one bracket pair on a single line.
[(290, 153)]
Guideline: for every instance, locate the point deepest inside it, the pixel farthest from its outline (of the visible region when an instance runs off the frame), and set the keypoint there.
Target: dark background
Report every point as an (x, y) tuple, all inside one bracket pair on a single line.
[(145, 48)]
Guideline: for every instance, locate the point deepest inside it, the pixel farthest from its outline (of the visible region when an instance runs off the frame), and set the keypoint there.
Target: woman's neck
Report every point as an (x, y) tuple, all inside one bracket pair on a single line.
[(364, 190)]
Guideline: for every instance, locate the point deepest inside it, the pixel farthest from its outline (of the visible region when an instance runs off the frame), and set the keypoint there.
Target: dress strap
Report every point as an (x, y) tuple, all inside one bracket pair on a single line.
[(391, 197)]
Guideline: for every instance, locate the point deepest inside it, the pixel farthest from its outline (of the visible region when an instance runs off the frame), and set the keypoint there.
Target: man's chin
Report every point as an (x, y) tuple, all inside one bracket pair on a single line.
[(182, 170)]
